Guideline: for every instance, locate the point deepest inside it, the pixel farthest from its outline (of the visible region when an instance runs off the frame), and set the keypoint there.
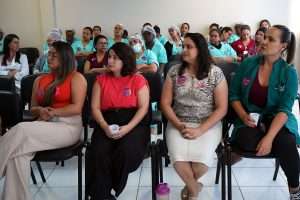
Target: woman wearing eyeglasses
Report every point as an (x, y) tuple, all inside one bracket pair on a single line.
[(97, 61)]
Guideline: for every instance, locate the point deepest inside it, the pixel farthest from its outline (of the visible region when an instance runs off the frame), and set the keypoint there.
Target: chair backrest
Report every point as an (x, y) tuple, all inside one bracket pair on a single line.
[(32, 54), (155, 84), (26, 88), (86, 116), (174, 61), (9, 109), (228, 70), (7, 83)]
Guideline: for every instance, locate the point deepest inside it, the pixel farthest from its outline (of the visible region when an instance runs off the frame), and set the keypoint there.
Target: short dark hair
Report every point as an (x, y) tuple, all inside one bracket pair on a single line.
[(215, 30), (147, 24), (185, 23), (127, 55), (264, 20), (98, 37), (245, 27), (214, 24), (226, 29), (204, 59), (88, 28), (98, 27), (157, 29), (262, 29)]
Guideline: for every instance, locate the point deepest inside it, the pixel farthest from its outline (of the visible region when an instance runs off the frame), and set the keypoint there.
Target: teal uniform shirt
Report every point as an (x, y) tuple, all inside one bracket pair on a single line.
[(160, 52), (78, 46), (111, 42), (45, 48), (147, 58), (162, 39), (233, 38), (282, 91), (176, 49), (224, 51), (1, 45)]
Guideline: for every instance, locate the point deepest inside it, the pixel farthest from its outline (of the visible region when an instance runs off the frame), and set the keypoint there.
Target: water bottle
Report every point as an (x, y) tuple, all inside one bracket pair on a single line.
[(162, 192)]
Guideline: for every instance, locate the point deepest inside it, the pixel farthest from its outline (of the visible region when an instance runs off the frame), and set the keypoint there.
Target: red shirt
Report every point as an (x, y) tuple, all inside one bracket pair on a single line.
[(92, 58), (62, 96), (240, 48), (120, 92), (258, 94)]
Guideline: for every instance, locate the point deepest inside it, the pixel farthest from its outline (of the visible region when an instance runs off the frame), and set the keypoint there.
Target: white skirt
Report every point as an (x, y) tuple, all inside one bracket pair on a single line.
[(200, 150)]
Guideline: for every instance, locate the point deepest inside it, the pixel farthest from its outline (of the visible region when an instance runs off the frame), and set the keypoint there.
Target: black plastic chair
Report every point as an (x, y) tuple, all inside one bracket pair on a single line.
[(157, 148), (66, 153), (7, 83), (9, 110), (226, 147), (26, 91), (32, 54)]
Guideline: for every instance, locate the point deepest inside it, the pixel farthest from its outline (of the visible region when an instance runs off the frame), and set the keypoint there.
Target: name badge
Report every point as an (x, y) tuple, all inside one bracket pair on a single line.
[(126, 92)]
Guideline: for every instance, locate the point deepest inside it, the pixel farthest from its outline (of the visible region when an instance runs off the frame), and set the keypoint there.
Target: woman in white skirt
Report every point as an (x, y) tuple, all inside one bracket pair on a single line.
[(57, 101), (194, 100)]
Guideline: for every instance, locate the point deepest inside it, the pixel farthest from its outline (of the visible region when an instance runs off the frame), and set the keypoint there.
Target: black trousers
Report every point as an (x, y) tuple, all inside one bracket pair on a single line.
[(284, 148), (110, 161)]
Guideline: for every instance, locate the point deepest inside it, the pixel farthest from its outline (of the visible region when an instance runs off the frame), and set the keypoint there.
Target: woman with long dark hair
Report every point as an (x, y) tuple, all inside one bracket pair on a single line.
[(12, 62), (57, 101), (194, 100), (267, 86)]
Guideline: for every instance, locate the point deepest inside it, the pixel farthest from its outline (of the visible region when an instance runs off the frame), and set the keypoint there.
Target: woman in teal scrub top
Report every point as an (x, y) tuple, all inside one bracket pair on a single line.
[(146, 60)]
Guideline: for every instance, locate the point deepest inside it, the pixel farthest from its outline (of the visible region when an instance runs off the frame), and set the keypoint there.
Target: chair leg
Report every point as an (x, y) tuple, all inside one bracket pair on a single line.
[(229, 184), (41, 171), (62, 163), (276, 169), (160, 165), (218, 172), (153, 169), (223, 176), (80, 175), (33, 176)]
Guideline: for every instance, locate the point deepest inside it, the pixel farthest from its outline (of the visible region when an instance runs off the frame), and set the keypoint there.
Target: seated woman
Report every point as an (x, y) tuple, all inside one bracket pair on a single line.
[(267, 85), (42, 62), (245, 46), (118, 36), (228, 36), (13, 62), (146, 60), (264, 24), (174, 45), (259, 39), (194, 100), (47, 44), (220, 52), (120, 97), (184, 28), (97, 61), (57, 101), (84, 47)]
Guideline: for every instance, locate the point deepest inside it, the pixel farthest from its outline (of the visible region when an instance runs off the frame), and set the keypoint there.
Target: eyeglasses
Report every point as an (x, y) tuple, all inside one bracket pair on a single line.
[(102, 43)]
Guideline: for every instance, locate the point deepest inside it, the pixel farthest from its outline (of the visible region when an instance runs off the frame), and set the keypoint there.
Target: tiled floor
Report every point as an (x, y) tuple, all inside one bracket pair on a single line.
[(252, 180)]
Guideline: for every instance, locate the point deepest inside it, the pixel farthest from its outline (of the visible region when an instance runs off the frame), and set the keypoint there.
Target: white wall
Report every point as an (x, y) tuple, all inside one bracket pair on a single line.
[(133, 13), (23, 19), (32, 19)]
